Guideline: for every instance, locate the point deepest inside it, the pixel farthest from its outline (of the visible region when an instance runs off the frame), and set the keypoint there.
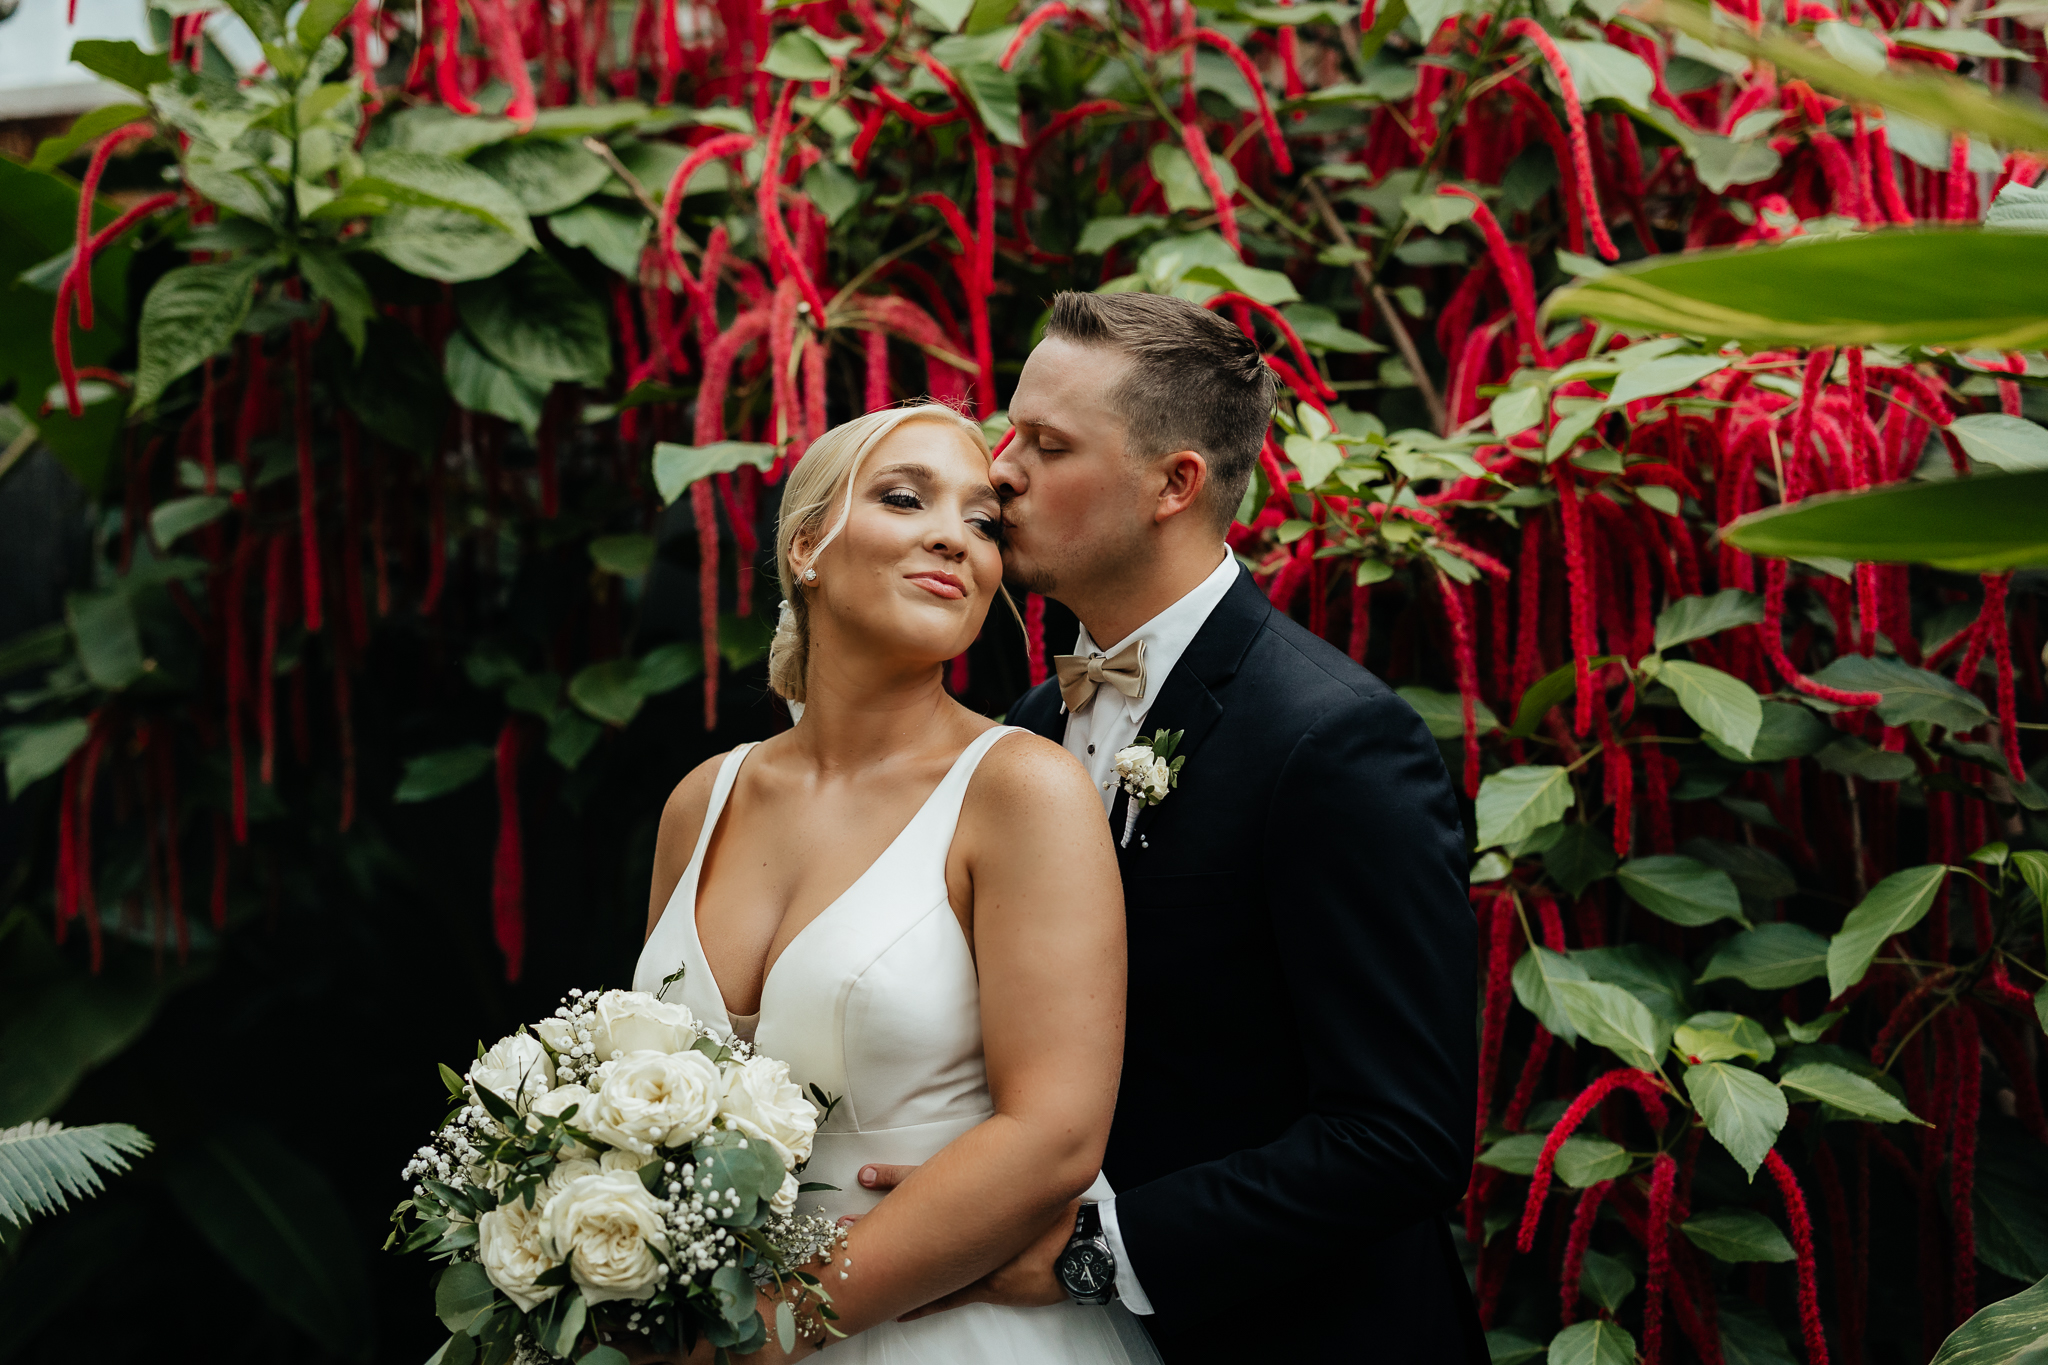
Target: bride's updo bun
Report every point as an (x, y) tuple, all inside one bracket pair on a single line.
[(822, 477)]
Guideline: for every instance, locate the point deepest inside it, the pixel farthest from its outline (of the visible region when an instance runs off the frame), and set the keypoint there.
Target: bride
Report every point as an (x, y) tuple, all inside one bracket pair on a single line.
[(917, 909)]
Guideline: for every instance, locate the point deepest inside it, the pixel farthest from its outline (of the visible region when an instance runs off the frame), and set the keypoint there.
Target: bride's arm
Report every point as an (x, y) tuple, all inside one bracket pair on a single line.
[(1048, 934)]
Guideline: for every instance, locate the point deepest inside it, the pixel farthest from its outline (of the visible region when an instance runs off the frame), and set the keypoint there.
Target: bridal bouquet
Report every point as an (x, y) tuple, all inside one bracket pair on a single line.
[(615, 1168)]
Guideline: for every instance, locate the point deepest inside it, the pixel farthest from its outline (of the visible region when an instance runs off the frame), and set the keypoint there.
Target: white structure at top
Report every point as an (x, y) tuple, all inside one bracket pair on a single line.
[(37, 76)]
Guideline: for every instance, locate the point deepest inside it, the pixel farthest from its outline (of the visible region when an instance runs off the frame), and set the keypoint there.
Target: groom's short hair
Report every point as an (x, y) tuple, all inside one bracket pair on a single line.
[(1195, 382)]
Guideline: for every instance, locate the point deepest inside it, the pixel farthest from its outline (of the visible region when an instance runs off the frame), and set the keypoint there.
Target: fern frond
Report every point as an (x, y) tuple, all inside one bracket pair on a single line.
[(44, 1165)]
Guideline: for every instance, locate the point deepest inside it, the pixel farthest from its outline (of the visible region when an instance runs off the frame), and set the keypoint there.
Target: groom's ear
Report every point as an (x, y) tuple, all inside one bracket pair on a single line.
[(1184, 484)]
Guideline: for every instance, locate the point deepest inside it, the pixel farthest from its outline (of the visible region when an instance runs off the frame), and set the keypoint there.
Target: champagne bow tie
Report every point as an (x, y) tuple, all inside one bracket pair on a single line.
[(1081, 674)]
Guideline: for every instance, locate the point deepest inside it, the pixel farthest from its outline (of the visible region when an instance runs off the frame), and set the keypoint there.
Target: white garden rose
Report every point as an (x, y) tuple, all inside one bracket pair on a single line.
[(510, 1247), (762, 1102), (608, 1229), (619, 1159), (559, 1099), (556, 1033), (516, 1069), (785, 1198), (655, 1099), (1158, 780), (634, 1021), (565, 1173)]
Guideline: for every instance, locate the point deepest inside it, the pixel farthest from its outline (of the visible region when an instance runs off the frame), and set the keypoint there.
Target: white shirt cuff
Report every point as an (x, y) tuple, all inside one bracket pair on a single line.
[(1127, 1287)]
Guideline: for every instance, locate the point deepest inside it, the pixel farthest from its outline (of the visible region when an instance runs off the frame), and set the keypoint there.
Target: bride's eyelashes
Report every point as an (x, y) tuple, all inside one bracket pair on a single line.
[(907, 500)]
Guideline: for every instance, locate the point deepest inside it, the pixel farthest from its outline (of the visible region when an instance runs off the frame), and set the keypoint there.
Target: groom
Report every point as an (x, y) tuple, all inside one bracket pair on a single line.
[(1296, 1112)]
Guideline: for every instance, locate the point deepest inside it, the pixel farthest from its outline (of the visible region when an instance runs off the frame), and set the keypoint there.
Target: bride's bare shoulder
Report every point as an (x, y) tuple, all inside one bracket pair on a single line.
[(1028, 781), (682, 819)]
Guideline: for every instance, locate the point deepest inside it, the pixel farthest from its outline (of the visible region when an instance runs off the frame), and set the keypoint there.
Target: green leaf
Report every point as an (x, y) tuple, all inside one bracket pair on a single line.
[(1601, 1341), (833, 190), (43, 1166), (1738, 1235), (1931, 288), (670, 666), (1770, 957), (608, 691), (1517, 1154), (571, 736), (1185, 193), (1610, 1017), (481, 384), (318, 19), (276, 1221), (88, 128), (1584, 1161), (1515, 802), (796, 56), (2012, 1331), (1581, 856), (1979, 524), (1853, 45), (1319, 328), (676, 467), (2033, 869), (1504, 1347), (109, 645), (34, 752), (545, 176), (1695, 618), (1893, 906), (1910, 694), (614, 237), (949, 15), (1680, 889), (422, 180), (1743, 1111), (1719, 1036), (628, 556), (1789, 730), (537, 322), (181, 516), (192, 313), (1103, 233), (463, 1292), (394, 388), (1267, 286), (1606, 1280), (122, 62), (1603, 71), (1750, 1337), (336, 281), (744, 639), (1847, 1091), (1517, 410), (1537, 976), (995, 96), (1723, 705), (436, 774), (1444, 712), (1546, 692), (1437, 212), (1668, 374), (2011, 444)]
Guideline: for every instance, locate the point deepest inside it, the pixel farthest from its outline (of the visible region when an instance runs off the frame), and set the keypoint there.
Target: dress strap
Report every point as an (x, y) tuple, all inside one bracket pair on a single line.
[(942, 809), (721, 791)]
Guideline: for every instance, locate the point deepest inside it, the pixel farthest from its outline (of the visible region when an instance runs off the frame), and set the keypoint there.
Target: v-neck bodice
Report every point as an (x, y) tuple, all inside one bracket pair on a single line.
[(875, 1000)]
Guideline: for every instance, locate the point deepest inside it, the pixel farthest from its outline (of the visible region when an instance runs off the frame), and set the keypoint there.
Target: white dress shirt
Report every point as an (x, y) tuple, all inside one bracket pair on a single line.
[(1109, 722)]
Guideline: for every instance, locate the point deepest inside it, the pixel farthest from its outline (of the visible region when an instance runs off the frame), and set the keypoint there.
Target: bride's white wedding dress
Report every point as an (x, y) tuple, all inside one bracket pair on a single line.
[(876, 1001)]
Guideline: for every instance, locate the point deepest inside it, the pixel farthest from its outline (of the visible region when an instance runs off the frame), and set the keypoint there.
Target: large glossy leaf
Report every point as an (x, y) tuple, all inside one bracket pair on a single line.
[(1680, 889), (1931, 288), (480, 384), (1606, 1280), (1979, 524), (109, 642), (1582, 855), (1722, 704), (1515, 802), (277, 1222), (34, 752), (443, 244), (436, 774), (2011, 444), (1599, 1342), (190, 314), (1909, 693), (1695, 618), (1893, 906), (1537, 976), (122, 62), (2008, 1332), (1721, 1036), (1770, 957), (1737, 1235), (676, 467), (1743, 1111), (1444, 712), (423, 181), (544, 175), (537, 322), (1847, 1091), (1610, 1017), (1584, 1161)]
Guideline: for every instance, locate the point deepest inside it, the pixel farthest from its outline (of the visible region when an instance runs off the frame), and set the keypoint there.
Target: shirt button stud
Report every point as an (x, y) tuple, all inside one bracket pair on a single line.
[(1091, 748)]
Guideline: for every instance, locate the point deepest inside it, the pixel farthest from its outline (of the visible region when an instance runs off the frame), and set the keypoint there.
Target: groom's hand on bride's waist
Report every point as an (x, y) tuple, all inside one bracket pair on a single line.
[(1026, 1282)]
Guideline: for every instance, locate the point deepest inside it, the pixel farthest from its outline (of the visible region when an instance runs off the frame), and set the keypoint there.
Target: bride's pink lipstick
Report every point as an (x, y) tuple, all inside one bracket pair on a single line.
[(939, 584)]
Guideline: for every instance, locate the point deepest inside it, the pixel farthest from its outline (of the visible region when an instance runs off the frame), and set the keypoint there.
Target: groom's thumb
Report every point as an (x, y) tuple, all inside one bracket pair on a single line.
[(880, 1177)]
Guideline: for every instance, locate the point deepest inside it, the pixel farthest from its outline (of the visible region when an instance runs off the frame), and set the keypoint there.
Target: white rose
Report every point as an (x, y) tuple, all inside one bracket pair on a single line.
[(1132, 758), (565, 1172), (516, 1069), (603, 1225), (634, 1021), (655, 1099), (556, 1033), (559, 1099), (509, 1244), (762, 1102), (1159, 780), (618, 1159), (785, 1198)]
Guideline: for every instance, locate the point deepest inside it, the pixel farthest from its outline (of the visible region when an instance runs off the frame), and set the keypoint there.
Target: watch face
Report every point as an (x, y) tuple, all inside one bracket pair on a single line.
[(1085, 1269)]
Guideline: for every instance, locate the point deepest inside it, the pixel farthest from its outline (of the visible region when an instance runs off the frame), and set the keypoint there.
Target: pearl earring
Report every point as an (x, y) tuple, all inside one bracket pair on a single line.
[(810, 575)]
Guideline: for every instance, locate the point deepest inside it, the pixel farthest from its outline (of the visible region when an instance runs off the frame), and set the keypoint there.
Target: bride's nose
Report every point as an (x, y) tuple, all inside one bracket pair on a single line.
[(953, 547)]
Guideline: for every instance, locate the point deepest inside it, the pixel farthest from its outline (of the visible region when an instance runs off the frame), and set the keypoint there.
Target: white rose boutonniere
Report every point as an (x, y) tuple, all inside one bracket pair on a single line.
[(1147, 770)]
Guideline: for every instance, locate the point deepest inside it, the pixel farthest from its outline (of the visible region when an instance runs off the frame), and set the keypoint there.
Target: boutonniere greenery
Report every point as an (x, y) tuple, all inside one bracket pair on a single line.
[(1148, 770)]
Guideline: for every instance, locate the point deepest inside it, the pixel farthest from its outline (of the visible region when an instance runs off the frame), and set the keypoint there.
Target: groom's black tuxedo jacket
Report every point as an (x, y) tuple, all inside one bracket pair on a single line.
[(1296, 1113)]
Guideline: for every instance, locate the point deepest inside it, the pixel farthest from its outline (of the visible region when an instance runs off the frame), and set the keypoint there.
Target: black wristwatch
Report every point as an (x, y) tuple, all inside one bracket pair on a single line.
[(1087, 1268)]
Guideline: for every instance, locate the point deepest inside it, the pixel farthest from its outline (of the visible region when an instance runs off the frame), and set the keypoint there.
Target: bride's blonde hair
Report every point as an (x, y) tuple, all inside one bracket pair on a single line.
[(831, 465)]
